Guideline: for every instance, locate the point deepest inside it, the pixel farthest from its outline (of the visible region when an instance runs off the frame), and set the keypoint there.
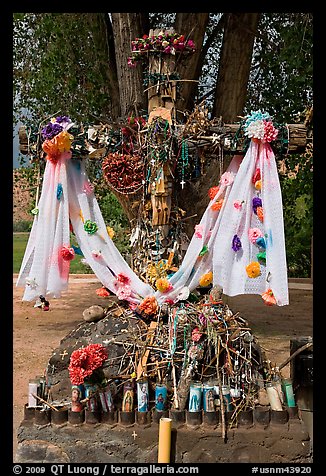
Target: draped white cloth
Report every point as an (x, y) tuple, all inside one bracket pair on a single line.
[(43, 270), (68, 195), (193, 265), (229, 267)]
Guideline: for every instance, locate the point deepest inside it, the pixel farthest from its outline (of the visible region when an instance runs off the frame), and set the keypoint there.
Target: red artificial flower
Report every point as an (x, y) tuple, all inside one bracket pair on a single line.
[(123, 279), (67, 253), (84, 361)]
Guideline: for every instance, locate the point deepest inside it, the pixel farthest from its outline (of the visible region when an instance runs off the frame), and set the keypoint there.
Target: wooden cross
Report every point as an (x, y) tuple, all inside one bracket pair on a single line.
[(134, 435)]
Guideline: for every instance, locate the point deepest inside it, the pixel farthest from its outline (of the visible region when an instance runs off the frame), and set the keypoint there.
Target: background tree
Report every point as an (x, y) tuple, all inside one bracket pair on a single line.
[(77, 63)]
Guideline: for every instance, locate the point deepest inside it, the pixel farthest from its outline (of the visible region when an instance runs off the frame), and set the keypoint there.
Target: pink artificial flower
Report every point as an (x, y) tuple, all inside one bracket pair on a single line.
[(196, 334), (254, 233), (96, 254), (124, 292), (227, 178), (199, 231), (237, 204), (270, 133)]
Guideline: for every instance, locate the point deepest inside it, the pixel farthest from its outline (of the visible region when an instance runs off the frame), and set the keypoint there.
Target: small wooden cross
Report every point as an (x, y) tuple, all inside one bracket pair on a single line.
[(134, 434), (64, 353)]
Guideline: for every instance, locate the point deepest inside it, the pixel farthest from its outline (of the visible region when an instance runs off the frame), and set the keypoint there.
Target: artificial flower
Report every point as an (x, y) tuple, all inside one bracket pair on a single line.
[(254, 233), (256, 202), (67, 253), (260, 213), (206, 279), (196, 334), (64, 140), (163, 285), (199, 231), (149, 306), (236, 243), (123, 279), (102, 292), (110, 231), (203, 251), (84, 361), (256, 175), (270, 133), (238, 204), (96, 254), (261, 242), (261, 257), (123, 292), (269, 298), (217, 205), (227, 178), (90, 227), (253, 269), (212, 192), (59, 191), (51, 130), (258, 185)]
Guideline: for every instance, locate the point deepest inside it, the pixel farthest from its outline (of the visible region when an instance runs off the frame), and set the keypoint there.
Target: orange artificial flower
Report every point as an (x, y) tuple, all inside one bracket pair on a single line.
[(269, 298), (253, 269), (217, 205), (212, 192), (260, 213), (102, 292), (206, 279), (149, 305)]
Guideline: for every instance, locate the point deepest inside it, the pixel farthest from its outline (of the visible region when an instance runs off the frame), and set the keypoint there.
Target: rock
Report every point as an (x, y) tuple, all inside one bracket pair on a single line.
[(93, 313), (40, 451)]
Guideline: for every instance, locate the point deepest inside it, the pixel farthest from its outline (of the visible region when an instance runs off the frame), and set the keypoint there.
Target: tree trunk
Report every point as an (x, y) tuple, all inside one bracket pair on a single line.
[(192, 25), (127, 27), (103, 40), (235, 62)]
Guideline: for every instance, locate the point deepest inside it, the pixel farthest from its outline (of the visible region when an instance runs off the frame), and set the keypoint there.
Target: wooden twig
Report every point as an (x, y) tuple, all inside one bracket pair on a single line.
[(44, 401), (298, 351)]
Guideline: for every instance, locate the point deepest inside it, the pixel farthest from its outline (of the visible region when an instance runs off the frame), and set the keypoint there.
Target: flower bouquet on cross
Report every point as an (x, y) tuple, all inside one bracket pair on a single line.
[(165, 42)]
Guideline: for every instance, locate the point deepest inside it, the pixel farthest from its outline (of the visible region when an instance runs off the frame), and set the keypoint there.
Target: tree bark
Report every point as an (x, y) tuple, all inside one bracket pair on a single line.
[(192, 25), (235, 62), (101, 28), (127, 27)]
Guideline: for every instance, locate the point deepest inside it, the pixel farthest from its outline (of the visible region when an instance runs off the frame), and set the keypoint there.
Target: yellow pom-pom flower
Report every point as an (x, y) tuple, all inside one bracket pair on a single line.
[(253, 269), (110, 231), (206, 279), (162, 285)]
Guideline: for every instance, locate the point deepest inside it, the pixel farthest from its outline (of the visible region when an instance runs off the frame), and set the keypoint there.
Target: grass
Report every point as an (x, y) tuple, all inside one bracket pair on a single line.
[(19, 246)]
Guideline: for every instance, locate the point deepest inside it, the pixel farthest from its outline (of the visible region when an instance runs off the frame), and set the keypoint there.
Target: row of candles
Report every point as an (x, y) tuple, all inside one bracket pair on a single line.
[(202, 396)]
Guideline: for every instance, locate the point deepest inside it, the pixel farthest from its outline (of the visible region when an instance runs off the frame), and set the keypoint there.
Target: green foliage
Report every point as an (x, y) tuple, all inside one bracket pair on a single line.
[(297, 194), (22, 226), (59, 65), (282, 67), (19, 246)]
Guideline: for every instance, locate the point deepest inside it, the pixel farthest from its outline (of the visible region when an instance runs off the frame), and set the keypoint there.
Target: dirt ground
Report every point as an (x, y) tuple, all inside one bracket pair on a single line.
[(37, 333)]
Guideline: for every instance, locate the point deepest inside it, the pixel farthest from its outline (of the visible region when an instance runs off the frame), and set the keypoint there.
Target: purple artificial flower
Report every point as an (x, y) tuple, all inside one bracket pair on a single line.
[(256, 202), (236, 243), (50, 130)]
